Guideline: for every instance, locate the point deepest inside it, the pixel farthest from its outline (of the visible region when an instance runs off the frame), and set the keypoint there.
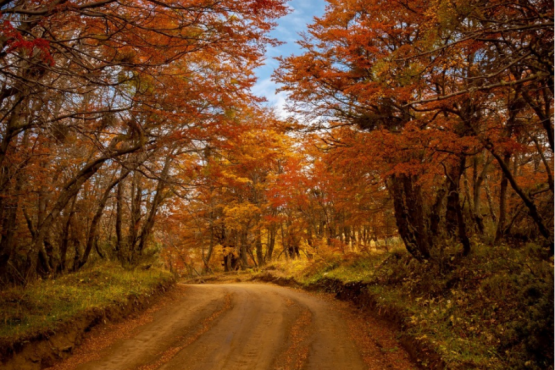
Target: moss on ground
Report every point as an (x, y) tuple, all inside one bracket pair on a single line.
[(44, 305), (490, 310)]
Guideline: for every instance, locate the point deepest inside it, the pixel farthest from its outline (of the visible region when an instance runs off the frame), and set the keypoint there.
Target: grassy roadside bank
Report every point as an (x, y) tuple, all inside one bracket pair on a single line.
[(491, 310), (43, 321)]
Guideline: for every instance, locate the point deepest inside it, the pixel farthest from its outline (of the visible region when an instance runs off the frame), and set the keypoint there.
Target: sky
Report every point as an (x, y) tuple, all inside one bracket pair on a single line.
[(288, 29)]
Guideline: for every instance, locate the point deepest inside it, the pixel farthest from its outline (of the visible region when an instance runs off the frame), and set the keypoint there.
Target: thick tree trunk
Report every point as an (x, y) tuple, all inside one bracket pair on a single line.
[(409, 214), (454, 218), (11, 131)]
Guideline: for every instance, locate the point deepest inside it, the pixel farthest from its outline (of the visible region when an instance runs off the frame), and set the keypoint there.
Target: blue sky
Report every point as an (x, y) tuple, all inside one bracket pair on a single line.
[(288, 31)]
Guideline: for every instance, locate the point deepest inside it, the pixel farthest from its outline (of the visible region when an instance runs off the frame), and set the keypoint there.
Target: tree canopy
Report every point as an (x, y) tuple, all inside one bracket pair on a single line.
[(129, 128)]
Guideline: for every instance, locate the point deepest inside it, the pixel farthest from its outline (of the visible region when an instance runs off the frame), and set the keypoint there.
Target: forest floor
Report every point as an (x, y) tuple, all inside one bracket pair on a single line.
[(44, 321), (243, 326), (490, 310)]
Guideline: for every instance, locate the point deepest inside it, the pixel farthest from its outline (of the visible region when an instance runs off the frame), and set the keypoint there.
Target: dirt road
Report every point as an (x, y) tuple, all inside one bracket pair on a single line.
[(243, 326)]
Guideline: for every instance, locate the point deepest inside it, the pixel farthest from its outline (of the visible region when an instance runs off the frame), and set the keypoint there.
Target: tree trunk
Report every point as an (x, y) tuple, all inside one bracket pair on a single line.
[(70, 189), (463, 236), (243, 252), (454, 218), (158, 199), (206, 259), (500, 231), (477, 181), (135, 217), (271, 242), (490, 201), (435, 214), (64, 243), (9, 226), (91, 236), (453, 200), (409, 214), (258, 246), (119, 219), (9, 204)]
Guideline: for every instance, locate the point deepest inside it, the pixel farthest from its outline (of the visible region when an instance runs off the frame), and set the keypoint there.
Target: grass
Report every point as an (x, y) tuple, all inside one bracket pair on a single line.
[(45, 305), (490, 310)]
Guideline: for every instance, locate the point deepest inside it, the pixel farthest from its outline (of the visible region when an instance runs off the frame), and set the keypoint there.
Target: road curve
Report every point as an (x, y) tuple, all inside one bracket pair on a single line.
[(237, 327)]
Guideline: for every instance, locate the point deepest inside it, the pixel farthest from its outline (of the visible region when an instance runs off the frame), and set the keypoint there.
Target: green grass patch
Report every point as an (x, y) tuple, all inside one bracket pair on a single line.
[(44, 305)]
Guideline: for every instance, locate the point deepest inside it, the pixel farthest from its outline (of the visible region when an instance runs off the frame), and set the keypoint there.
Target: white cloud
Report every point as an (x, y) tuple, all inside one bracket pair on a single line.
[(288, 29), (264, 87), (280, 102), (267, 88)]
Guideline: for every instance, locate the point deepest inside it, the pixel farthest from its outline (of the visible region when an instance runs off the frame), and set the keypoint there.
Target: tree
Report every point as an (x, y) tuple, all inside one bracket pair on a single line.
[(104, 87), (436, 84)]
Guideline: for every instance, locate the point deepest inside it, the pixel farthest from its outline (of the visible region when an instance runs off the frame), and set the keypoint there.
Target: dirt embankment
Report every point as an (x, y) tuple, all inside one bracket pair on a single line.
[(369, 304), (44, 349)]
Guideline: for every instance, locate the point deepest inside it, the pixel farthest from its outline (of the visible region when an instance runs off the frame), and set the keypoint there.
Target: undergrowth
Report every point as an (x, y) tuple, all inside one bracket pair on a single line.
[(490, 310), (44, 305)]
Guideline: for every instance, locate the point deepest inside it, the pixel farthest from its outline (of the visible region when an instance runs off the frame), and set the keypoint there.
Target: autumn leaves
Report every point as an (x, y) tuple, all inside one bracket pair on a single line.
[(442, 88), (131, 124), (99, 100)]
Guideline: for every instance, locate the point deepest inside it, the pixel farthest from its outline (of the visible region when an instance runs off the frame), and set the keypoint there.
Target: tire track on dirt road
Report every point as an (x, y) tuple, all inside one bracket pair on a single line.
[(244, 326)]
